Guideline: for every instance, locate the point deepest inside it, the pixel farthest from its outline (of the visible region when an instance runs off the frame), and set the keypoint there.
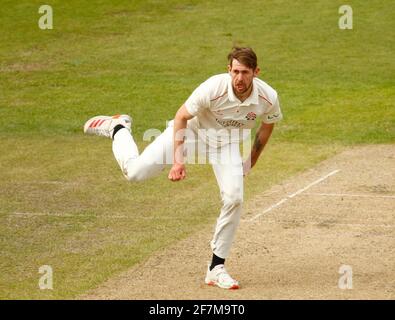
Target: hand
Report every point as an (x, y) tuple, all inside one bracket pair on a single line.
[(177, 172)]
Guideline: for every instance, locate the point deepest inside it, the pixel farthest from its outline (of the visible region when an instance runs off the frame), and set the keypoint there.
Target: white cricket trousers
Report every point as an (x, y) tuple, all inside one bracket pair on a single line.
[(226, 163)]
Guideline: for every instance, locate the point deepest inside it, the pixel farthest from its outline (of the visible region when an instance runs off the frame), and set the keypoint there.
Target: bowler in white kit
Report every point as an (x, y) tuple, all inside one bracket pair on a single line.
[(222, 105)]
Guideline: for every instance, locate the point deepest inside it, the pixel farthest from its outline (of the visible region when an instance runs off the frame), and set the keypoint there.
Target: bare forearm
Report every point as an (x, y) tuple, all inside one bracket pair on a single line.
[(178, 138), (177, 171), (261, 139), (180, 124)]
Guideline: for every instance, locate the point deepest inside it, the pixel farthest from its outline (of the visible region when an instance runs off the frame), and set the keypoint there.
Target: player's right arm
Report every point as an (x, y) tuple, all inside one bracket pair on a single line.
[(177, 171), (197, 102)]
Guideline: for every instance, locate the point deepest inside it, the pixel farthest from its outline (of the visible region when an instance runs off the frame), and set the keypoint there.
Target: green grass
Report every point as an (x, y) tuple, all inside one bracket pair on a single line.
[(144, 58)]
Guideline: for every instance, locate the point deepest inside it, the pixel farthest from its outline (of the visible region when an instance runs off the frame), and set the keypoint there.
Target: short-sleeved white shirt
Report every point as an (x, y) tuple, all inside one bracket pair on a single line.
[(216, 107)]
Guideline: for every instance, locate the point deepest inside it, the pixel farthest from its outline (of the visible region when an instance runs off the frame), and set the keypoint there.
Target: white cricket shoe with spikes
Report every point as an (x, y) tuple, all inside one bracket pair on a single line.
[(221, 278), (104, 125)]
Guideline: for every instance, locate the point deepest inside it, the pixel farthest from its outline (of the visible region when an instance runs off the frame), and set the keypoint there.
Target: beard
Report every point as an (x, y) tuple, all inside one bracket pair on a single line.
[(241, 87)]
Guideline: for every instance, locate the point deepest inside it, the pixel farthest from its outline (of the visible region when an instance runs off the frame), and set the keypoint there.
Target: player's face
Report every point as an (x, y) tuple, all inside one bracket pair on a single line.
[(242, 77)]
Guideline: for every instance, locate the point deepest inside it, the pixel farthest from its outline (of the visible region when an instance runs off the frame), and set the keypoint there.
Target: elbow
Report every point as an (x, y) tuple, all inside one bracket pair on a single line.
[(180, 116), (183, 114)]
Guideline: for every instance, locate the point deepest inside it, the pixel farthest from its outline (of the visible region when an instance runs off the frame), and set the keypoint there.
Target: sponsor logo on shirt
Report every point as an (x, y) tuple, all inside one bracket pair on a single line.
[(251, 116), (229, 123), (273, 116)]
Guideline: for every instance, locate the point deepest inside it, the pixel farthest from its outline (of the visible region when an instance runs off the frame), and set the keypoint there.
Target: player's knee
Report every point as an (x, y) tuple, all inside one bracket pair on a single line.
[(142, 171), (234, 198), (133, 176)]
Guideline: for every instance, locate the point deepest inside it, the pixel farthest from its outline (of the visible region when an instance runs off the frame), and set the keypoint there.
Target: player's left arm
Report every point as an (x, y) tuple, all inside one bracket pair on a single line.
[(261, 138)]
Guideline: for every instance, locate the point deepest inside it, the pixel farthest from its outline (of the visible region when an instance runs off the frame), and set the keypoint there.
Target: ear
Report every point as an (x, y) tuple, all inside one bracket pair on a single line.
[(257, 71), (229, 68)]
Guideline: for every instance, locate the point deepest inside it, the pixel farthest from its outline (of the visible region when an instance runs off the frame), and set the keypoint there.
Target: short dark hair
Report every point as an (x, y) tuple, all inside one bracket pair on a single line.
[(245, 56)]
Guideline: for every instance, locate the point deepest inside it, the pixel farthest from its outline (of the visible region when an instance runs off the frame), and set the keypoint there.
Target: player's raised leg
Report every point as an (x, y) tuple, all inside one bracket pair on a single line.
[(134, 166), (155, 157)]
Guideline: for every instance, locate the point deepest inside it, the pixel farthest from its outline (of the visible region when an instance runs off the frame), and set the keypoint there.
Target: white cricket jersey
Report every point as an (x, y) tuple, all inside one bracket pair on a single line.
[(216, 107)]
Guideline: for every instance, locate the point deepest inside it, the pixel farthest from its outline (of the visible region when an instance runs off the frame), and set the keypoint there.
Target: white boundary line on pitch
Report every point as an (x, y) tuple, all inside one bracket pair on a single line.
[(292, 195), (69, 215), (324, 223), (62, 215), (347, 195)]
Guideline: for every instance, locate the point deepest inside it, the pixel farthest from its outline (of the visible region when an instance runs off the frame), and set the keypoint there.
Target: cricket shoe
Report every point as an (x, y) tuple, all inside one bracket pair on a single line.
[(221, 278), (104, 125)]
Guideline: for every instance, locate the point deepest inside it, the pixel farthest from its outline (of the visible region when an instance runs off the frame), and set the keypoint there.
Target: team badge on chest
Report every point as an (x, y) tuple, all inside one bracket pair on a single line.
[(251, 116)]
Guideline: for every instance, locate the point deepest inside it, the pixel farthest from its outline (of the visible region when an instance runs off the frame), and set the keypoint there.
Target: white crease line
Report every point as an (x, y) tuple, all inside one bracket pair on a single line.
[(348, 195), (45, 214), (294, 194), (273, 206), (324, 223), (313, 183), (68, 215)]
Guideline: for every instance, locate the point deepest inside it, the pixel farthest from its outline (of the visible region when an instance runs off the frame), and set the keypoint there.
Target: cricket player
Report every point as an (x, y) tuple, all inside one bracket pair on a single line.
[(221, 105)]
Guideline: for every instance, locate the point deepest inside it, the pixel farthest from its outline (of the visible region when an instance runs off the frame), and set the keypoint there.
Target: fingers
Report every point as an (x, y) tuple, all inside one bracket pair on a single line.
[(173, 175), (176, 175)]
